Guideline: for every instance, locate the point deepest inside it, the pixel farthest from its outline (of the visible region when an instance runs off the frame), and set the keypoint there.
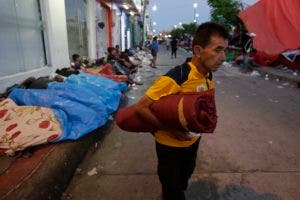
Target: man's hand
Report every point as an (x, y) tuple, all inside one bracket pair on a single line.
[(182, 136), (145, 113)]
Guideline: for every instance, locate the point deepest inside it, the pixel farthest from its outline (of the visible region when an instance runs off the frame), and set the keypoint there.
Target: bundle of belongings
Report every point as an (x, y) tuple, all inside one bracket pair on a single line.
[(23, 126), (64, 111), (108, 72), (195, 112)]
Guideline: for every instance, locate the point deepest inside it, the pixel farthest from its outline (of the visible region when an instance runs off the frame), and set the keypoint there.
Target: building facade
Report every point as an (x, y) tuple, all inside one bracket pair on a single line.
[(39, 36)]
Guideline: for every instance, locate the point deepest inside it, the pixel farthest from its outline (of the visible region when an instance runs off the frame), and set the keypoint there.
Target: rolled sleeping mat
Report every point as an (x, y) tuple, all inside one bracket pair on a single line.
[(195, 112)]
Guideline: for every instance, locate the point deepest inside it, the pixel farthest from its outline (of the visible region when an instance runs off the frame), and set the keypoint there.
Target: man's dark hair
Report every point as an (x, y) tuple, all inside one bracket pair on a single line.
[(110, 50), (75, 56), (99, 61), (206, 30)]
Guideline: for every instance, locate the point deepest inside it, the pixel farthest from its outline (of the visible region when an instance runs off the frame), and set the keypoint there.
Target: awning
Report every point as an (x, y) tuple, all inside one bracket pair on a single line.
[(276, 24)]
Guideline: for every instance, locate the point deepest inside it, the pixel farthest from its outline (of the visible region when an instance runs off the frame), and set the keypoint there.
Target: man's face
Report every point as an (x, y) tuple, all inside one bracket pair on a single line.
[(213, 55), (78, 60), (114, 52)]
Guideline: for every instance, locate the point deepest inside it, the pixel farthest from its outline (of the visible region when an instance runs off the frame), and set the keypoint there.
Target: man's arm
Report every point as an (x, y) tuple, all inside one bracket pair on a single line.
[(143, 111)]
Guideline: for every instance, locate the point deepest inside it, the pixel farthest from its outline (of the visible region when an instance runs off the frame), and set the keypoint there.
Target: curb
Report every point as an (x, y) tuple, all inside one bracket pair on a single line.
[(273, 75)]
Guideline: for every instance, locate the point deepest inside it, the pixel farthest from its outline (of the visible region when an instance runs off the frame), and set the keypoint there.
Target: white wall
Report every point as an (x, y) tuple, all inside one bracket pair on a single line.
[(123, 29), (116, 31), (102, 34), (55, 29), (91, 26), (54, 13)]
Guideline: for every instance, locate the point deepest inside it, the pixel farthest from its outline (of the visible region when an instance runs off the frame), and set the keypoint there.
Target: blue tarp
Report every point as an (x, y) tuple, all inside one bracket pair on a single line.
[(105, 88), (81, 104)]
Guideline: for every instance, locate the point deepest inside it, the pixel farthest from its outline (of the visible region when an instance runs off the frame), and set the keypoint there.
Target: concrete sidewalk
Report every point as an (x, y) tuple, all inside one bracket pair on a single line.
[(279, 74), (46, 173)]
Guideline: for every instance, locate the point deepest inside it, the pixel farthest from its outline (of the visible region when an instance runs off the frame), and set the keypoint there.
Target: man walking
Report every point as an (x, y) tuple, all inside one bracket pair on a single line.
[(174, 44), (154, 51), (177, 150)]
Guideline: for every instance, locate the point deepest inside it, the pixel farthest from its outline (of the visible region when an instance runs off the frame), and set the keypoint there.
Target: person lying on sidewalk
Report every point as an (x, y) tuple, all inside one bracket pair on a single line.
[(119, 68), (114, 61), (125, 61), (76, 63)]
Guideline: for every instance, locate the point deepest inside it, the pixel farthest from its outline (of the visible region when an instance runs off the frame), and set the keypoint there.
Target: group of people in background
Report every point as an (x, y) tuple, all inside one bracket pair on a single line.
[(119, 61), (154, 48)]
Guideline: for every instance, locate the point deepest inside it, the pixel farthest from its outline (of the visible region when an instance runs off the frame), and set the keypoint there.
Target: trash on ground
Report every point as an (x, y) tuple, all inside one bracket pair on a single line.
[(255, 73), (111, 117), (286, 84), (92, 172), (227, 64), (117, 145), (78, 171), (273, 100), (266, 77)]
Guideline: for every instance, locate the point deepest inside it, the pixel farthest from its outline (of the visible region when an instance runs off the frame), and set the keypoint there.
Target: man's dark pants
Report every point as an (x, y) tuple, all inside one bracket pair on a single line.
[(175, 167), (174, 51)]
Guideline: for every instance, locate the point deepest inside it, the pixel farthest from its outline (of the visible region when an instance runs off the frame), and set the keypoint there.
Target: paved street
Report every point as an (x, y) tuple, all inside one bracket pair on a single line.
[(253, 155)]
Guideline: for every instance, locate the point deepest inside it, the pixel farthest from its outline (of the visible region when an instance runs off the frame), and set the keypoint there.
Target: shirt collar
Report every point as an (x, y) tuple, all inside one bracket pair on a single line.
[(198, 74), (195, 70)]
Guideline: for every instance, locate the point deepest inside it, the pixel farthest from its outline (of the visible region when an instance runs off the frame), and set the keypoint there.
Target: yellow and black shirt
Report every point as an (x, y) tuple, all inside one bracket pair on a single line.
[(180, 79)]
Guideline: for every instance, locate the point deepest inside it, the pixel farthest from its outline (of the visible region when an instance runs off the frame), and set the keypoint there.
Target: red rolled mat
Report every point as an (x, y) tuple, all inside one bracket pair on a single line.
[(194, 112)]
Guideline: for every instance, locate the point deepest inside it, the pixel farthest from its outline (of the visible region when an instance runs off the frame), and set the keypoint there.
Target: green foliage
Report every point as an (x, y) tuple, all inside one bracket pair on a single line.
[(186, 29), (225, 12), (177, 32), (190, 28)]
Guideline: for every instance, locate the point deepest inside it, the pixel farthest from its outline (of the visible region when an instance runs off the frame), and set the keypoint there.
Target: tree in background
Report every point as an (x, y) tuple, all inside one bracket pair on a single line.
[(177, 32), (187, 29), (190, 28), (225, 12)]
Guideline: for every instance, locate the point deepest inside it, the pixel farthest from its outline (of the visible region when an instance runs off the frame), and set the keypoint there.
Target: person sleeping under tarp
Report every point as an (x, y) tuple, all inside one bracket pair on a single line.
[(25, 126), (77, 106)]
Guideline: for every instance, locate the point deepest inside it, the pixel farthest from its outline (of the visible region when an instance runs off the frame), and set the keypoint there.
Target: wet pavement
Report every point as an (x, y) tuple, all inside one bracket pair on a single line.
[(253, 155)]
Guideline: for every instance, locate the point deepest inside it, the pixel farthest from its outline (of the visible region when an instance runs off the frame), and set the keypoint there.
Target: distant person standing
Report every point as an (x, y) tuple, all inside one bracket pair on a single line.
[(154, 50), (168, 43), (117, 50), (174, 44)]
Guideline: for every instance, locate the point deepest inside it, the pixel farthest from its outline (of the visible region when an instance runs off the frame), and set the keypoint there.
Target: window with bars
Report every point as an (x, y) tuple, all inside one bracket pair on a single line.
[(22, 45)]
